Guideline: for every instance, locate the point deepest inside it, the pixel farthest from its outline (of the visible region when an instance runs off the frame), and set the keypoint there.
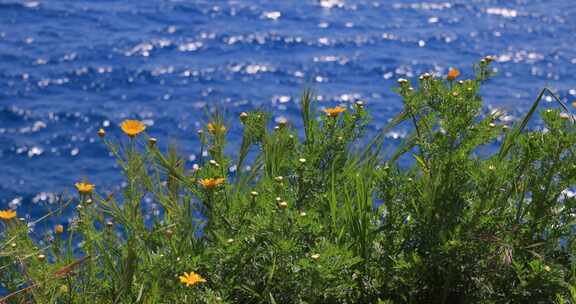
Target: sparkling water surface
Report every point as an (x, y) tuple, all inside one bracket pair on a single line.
[(70, 67)]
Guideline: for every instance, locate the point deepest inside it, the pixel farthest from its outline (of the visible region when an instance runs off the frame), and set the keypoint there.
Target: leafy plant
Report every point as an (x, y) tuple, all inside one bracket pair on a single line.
[(321, 216)]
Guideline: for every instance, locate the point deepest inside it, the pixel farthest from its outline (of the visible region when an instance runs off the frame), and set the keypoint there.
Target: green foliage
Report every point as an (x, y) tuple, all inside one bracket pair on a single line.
[(316, 219)]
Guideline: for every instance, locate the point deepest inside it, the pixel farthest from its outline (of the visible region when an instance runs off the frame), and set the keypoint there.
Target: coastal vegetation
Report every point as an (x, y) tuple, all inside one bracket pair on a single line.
[(483, 211)]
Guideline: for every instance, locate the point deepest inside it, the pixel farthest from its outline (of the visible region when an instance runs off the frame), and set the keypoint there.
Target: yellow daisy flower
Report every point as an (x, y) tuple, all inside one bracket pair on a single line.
[(191, 279), (334, 112), (84, 188), (7, 214), (211, 183), (453, 74), (132, 127)]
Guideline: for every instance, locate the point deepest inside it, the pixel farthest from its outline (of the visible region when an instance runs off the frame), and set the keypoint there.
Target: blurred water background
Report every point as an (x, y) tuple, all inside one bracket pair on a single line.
[(70, 67)]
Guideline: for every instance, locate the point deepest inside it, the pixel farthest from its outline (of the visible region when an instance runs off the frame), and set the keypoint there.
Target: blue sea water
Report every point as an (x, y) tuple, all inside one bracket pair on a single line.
[(70, 67)]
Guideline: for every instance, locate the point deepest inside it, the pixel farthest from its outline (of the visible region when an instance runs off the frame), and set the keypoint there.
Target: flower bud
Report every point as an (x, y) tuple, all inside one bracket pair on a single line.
[(152, 142), (243, 117), (282, 122), (58, 229), (169, 233)]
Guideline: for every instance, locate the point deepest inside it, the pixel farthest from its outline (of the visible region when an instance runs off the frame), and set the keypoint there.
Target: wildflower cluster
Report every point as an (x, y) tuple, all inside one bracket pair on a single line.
[(323, 215)]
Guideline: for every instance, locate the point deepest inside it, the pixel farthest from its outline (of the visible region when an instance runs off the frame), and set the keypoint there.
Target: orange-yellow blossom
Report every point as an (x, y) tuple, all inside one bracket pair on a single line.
[(191, 279), (84, 188), (334, 112), (132, 127), (453, 74), (211, 183), (7, 214)]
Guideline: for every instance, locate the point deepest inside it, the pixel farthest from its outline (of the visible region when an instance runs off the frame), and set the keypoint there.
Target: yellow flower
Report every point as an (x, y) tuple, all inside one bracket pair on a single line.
[(101, 133), (211, 183), (132, 127), (215, 128), (453, 74), (191, 279), (334, 112), (84, 188), (7, 214)]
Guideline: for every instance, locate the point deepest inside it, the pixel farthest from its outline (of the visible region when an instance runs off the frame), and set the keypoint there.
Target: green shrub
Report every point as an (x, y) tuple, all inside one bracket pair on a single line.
[(321, 216)]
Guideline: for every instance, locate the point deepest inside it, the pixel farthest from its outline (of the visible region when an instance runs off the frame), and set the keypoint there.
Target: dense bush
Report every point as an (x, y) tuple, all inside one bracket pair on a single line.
[(319, 218)]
